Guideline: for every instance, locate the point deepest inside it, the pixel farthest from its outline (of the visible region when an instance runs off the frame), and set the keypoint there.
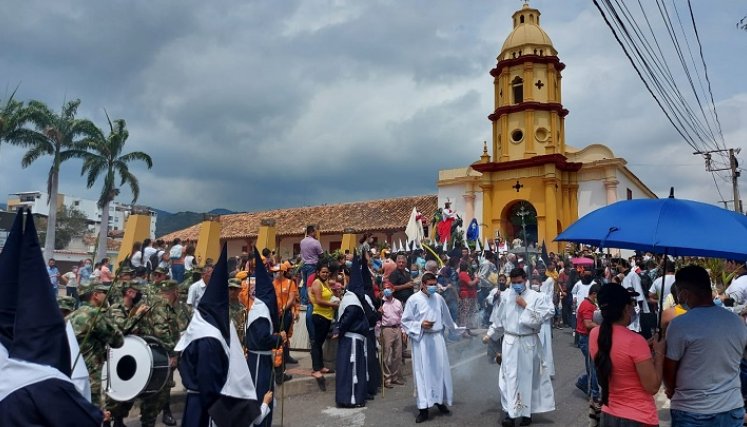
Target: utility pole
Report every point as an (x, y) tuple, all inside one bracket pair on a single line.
[(733, 168)]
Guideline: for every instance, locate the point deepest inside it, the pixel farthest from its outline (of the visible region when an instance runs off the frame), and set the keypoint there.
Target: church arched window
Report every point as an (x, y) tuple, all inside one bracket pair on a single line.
[(517, 86), (521, 19)]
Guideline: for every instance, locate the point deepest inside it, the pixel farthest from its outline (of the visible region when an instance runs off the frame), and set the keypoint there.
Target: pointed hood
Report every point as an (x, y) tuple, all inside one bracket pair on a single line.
[(264, 289), (366, 277), (214, 302), (39, 334), (356, 279), (9, 262)]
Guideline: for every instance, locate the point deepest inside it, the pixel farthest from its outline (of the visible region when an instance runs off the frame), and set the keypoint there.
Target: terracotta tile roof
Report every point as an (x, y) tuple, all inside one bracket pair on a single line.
[(370, 215)]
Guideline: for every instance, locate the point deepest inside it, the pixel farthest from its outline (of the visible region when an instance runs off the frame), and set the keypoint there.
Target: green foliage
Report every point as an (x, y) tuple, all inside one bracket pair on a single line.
[(71, 224), (102, 155)]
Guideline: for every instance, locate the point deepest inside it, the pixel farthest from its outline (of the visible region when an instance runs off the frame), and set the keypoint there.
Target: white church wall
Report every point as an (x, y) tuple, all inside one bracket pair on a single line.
[(624, 184), (591, 196)]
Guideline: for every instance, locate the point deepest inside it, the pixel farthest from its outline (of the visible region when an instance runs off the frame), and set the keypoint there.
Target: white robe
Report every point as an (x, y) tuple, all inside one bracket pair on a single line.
[(545, 335), (430, 361), (524, 382)]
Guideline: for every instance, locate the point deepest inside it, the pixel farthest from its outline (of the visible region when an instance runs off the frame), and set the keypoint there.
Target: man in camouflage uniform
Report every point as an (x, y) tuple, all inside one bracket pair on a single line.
[(159, 321), (66, 304), (95, 331), (124, 275), (236, 309), (125, 315)]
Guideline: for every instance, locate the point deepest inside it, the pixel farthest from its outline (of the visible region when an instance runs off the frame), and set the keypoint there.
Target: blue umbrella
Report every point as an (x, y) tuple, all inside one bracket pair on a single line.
[(671, 226), (676, 227)]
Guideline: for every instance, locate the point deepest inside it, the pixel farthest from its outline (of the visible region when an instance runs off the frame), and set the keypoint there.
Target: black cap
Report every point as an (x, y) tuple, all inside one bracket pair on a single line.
[(614, 295)]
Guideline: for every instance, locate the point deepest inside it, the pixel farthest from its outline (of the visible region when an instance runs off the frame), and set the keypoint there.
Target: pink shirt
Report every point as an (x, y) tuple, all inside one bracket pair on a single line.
[(106, 275), (628, 399), (391, 312)]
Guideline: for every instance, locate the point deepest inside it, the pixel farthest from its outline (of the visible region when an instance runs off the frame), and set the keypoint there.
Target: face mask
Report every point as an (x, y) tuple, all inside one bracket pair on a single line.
[(137, 298), (414, 273), (518, 287), (646, 258), (348, 264), (718, 302), (535, 287), (502, 286), (388, 293), (432, 289)]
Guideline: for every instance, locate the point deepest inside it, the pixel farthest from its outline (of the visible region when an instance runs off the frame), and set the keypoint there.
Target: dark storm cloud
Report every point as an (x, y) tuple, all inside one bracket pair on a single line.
[(255, 105)]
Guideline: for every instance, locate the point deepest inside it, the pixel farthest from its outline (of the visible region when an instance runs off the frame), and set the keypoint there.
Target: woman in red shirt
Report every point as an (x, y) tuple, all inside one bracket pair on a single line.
[(467, 298), (627, 372)]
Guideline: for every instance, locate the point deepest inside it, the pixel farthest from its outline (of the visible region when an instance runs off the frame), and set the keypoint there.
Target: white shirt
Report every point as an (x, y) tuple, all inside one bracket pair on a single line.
[(196, 291), (580, 291), (738, 289), (188, 262), (656, 286), (137, 259)]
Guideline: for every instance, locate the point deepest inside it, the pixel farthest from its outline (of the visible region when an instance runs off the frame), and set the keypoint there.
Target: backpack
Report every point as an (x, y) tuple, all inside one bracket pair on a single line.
[(152, 262)]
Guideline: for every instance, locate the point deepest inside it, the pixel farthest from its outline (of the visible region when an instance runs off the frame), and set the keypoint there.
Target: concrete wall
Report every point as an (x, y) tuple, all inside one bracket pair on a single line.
[(591, 196)]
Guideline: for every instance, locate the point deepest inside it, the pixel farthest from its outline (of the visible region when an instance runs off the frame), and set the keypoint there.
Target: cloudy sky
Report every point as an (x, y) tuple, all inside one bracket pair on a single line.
[(251, 105)]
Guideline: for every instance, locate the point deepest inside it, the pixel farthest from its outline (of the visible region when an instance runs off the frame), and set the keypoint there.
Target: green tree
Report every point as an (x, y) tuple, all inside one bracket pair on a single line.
[(103, 156), (12, 119), (71, 224), (59, 135)]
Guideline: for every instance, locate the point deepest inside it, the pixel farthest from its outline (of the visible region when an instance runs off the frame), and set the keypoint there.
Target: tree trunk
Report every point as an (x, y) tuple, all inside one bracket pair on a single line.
[(103, 246), (51, 218)]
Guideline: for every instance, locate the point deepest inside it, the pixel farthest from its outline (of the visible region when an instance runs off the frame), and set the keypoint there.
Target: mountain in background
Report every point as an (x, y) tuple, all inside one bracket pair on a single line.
[(168, 222), (3, 206)]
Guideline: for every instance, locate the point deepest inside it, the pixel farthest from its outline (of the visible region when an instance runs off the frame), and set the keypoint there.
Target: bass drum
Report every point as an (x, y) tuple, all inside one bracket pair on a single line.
[(140, 366)]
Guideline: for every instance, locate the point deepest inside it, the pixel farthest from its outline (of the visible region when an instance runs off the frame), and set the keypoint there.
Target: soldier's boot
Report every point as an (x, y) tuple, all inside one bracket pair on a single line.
[(168, 417)]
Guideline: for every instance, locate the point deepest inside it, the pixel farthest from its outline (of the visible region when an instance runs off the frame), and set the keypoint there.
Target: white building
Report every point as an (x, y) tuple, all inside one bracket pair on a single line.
[(38, 202)]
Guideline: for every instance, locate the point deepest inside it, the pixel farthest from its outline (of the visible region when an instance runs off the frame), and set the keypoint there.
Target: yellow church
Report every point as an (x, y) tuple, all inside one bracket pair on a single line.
[(529, 171)]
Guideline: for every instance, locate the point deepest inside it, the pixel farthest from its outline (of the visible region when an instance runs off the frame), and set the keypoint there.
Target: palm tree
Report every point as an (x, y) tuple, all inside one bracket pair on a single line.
[(57, 135), (103, 155), (12, 120)]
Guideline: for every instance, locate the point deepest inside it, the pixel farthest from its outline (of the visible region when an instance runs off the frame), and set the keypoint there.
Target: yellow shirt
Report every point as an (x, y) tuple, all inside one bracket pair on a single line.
[(324, 311)]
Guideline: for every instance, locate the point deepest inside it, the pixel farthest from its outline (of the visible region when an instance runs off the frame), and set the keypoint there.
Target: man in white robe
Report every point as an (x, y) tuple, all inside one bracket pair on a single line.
[(425, 318), (524, 382), (545, 335)]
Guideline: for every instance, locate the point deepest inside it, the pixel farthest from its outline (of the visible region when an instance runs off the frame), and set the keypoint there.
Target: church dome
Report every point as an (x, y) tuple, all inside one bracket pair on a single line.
[(527, 38)]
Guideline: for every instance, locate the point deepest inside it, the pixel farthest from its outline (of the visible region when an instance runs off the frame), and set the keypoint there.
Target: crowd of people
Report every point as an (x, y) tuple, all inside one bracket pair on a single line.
[(408, 305)]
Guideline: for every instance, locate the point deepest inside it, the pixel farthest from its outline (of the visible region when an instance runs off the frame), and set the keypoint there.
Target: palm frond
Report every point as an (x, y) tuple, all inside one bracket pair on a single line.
[(94, 169), (34, 153), (72, 154), (132, 181), (137, 155)]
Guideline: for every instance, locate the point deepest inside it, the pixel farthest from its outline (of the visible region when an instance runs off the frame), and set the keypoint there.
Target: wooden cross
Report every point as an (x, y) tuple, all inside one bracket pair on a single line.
[(518, 186), (539, 84)]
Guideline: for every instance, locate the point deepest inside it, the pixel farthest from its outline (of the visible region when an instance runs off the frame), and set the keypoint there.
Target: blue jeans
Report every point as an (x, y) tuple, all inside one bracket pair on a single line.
[(177, 272), (733, 418), (306, 271), (590, 377)]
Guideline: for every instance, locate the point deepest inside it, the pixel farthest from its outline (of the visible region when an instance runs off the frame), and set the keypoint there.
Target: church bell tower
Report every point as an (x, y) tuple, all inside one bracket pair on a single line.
[(528, 165)]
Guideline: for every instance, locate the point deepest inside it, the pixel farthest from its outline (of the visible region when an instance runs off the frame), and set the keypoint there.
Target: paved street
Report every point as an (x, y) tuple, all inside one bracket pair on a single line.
[(476, 396)]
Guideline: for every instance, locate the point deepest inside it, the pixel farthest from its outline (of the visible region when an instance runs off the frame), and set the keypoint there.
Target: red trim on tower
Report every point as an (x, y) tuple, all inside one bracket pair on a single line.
[(495, 72), (528, 105), (560, 161)]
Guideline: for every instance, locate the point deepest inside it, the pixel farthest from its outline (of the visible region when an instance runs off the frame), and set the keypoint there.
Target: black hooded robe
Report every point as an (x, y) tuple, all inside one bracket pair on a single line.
[(351, 384), (48, 403), (203, 367)]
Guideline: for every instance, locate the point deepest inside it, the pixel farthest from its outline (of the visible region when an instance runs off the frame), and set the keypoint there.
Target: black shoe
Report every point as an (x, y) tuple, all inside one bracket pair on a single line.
[(290, 361), (322, 383), (525, 421), (280, 379), (168, 418), (443, 409), (508, 421), (422, 416)]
